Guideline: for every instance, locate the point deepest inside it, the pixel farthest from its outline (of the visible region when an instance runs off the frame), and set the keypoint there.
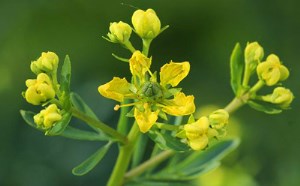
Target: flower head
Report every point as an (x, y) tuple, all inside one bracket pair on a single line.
[(196, 133), (218, 119), (149, 96), (119, 32), (48, 62), (253, 55), (39, 90), (281, 96), (272, 71), (48, 117), (146, 23)]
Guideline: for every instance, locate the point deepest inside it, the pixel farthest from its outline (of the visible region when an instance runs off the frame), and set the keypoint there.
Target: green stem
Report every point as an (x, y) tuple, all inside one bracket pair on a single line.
[(148, 164), (146, 46), (123, 160), (129, 46), (247, 75), (100, 125), (235, 104), (257, 86), (122, 126), (166, 126)]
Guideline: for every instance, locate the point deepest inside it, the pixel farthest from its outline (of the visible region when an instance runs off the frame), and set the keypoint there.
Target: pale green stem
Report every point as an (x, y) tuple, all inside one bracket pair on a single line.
[(146, 46), (148, 164), (256, 87), (123, 160), (129, 46), (100, 125), (235, 104)]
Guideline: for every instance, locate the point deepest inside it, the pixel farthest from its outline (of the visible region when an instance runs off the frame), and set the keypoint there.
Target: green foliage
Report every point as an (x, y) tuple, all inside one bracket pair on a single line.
[(167, 141), (236, 69), (264, 107), (74, 133), (91, 162)]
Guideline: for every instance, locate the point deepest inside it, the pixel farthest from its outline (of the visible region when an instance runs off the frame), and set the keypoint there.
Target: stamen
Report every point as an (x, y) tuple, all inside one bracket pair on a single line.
[(117, 107)]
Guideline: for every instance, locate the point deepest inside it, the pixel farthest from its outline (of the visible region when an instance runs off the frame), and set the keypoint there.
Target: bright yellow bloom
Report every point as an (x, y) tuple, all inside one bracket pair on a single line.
[(139, 64), (39, 90), (281, 96), (218, 119), (116, 89), (146, 118), (146, 23), (196, 133), (48, 117), (173, 73), (46, 63), (272, 71), (119, 32), (180, 105), (154, 97)]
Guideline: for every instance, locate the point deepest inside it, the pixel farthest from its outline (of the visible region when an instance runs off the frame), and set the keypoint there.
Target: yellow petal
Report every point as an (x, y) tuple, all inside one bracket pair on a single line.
[(139, 64), (145, 119), (199, 143), (180, 105), (116, 89), (173, 73), (197, 129)]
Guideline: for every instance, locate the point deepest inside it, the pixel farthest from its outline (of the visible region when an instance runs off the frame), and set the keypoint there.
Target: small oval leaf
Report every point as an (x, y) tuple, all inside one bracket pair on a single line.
[(92, 161), (236, 68), (266, 108)]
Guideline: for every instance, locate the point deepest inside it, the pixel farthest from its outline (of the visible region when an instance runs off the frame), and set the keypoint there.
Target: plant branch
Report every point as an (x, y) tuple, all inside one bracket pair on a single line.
[(100, 125)]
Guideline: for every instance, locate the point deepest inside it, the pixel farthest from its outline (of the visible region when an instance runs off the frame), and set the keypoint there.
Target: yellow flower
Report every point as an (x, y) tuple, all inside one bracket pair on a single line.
[(253, 52), (139, 64), (119, 32), (281, 96), (146, 118), (116, 89), (46, 63), (39, 90), (48, 117), (146, 23), (272, 71), (154, 97), (196, 133), (180, 105), (173, 73), (218, 119)]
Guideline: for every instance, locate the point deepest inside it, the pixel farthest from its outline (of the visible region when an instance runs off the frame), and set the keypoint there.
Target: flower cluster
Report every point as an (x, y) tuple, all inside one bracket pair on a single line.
[(43, 89), (151, 98), (270, 72), (199, 132)]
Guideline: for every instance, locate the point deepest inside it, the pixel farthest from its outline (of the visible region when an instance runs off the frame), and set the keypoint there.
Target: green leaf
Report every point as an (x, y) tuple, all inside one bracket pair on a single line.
[(167, 141), (91, 162), (197, 163), (74, 133), (60, 126), (266, 108), (236, 68), (65, 76), (28, 118), (80, 105)]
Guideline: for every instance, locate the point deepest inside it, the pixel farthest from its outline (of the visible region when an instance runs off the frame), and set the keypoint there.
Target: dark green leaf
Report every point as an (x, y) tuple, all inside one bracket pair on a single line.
[(65, 77), (74, 133), (80, 105), (266, 108), (60, 126), (236, 68), (92, 161), (28, 118), (167, 141)]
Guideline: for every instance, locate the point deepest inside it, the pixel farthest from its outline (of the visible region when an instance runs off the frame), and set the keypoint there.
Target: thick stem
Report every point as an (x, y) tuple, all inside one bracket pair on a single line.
[(146, 46), (235, 104), (98, 124), (148, 164), (124, 157)]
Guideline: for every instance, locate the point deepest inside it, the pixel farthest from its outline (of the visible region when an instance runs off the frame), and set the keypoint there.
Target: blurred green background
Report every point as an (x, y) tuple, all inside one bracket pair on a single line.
[(203, 32)]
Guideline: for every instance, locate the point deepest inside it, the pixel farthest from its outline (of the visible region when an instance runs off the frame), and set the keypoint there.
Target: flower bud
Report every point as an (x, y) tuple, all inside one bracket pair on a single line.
[(39, 90), (281, 96), (253, 55), (272, 71), (218, 119), (119, 32), (196, 133), (48, 62), (146, 23), (48, 117)]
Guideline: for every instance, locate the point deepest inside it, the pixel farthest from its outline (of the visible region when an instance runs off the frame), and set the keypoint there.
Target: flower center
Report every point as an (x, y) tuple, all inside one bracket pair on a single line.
[(151, 90)]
